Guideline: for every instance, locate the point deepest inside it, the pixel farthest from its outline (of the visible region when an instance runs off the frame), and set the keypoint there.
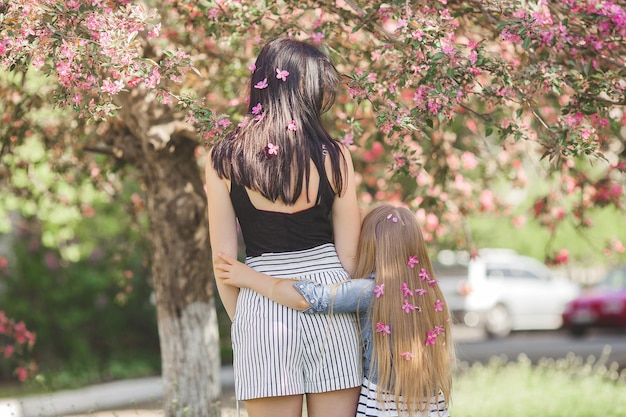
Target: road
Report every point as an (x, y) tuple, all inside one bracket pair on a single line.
[(473, 346)]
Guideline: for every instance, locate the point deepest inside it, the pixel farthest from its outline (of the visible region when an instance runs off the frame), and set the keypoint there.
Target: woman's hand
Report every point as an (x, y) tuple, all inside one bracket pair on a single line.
[(234, 273)]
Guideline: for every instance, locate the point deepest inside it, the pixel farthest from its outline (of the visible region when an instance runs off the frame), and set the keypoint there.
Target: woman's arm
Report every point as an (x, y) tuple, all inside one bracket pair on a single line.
[(346, 216), (312, 297), (222, 230)]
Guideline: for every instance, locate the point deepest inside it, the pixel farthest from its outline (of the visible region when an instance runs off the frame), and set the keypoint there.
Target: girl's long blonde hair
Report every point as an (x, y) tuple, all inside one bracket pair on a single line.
[(412, 347)]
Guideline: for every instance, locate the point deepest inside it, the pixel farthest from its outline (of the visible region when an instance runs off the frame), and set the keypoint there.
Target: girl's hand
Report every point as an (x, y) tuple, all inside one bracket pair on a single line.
[(232, 272)]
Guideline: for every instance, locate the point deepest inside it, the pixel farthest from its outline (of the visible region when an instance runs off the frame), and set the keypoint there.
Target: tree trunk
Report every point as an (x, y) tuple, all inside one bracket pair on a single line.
[(164, 150)]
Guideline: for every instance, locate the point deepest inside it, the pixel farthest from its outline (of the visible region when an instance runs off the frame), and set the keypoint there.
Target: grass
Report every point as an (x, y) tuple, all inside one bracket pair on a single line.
[(568, 387)]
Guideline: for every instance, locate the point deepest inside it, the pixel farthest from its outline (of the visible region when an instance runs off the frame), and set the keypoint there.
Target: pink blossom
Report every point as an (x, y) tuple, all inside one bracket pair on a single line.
[(407, 355), (418, 35), (22, 373), (469, 160), (154, 79), (261, 84), (432, 222), (155, 31), (382, 328), (424, 275), (257, 109), (433, 106), (562, 256), (213, 13), (112, 87), (447, 49), (486, 200), (408, 307), (413, 261), (379, 290), (272, 149), (224, 122), (405, 290), (438, 306), (421, 291), (348, 139), (386, 128), (282, 74), (317, 37), (292, 126), (519, 221), (8, 351)]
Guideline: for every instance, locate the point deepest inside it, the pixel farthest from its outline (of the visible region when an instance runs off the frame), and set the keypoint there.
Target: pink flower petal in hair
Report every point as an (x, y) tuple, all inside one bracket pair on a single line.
[(421, 291), (407, 355), (413, 261), (261, 84), (271, 149), (292, 126), (282, 74), (432, 282), (408, 307), (424, 275), (382, 328), (406, 290), (392, 218), (379, 290), (431, 338), (438, 306), (257, 109)]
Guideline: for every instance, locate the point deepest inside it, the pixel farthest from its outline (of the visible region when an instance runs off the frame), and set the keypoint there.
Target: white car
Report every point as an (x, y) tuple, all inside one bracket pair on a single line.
[(501, 291)]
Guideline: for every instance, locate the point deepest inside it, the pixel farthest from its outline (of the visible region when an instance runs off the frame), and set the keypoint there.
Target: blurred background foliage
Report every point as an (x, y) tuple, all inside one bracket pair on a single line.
[(93, 315)]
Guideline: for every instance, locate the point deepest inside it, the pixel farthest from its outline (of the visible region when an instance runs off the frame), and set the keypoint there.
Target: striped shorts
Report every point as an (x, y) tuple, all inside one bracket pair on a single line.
[(370, 406), (279, 351)]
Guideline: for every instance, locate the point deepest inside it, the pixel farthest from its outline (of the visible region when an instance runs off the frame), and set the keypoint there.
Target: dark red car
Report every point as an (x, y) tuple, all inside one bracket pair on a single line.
[(601, 306)]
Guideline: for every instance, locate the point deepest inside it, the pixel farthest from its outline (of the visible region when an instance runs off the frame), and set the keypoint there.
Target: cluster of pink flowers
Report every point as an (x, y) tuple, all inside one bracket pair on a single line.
[(17, 338), (98, 52)]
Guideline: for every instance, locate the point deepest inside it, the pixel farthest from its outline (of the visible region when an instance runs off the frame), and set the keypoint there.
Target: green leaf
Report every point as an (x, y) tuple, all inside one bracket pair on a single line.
[(437, 57)]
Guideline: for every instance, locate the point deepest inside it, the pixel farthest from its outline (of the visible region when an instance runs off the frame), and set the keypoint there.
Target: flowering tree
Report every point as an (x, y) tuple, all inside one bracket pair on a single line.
[(452, 108)]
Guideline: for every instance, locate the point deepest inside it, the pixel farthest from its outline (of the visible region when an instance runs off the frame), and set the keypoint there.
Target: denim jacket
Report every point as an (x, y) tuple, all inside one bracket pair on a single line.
[(347, 297)]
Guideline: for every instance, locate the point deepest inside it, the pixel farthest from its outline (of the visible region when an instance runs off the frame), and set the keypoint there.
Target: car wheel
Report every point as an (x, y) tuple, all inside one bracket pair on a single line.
[(498, 323), (577, 331)]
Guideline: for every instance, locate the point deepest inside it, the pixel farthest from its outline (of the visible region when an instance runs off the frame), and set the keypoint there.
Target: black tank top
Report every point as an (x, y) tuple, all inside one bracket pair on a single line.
[(270, 231)]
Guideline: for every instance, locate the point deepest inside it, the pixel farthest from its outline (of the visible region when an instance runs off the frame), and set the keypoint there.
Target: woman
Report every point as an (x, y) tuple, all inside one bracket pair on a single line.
[(282, 176)]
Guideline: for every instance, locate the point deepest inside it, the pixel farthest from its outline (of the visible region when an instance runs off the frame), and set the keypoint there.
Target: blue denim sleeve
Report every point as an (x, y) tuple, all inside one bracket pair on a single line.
[(346, 297)]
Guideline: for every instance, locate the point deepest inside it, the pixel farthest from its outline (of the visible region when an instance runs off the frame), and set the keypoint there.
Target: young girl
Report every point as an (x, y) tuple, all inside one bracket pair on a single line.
[(281, 176), (405, 325)]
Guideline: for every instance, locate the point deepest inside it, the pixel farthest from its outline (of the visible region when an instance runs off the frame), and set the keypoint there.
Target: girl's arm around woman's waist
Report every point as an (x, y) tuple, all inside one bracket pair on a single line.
[(345, 297)]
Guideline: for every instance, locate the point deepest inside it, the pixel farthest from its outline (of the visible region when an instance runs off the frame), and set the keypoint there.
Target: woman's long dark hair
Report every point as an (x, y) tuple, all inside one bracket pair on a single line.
[(306, 93)]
